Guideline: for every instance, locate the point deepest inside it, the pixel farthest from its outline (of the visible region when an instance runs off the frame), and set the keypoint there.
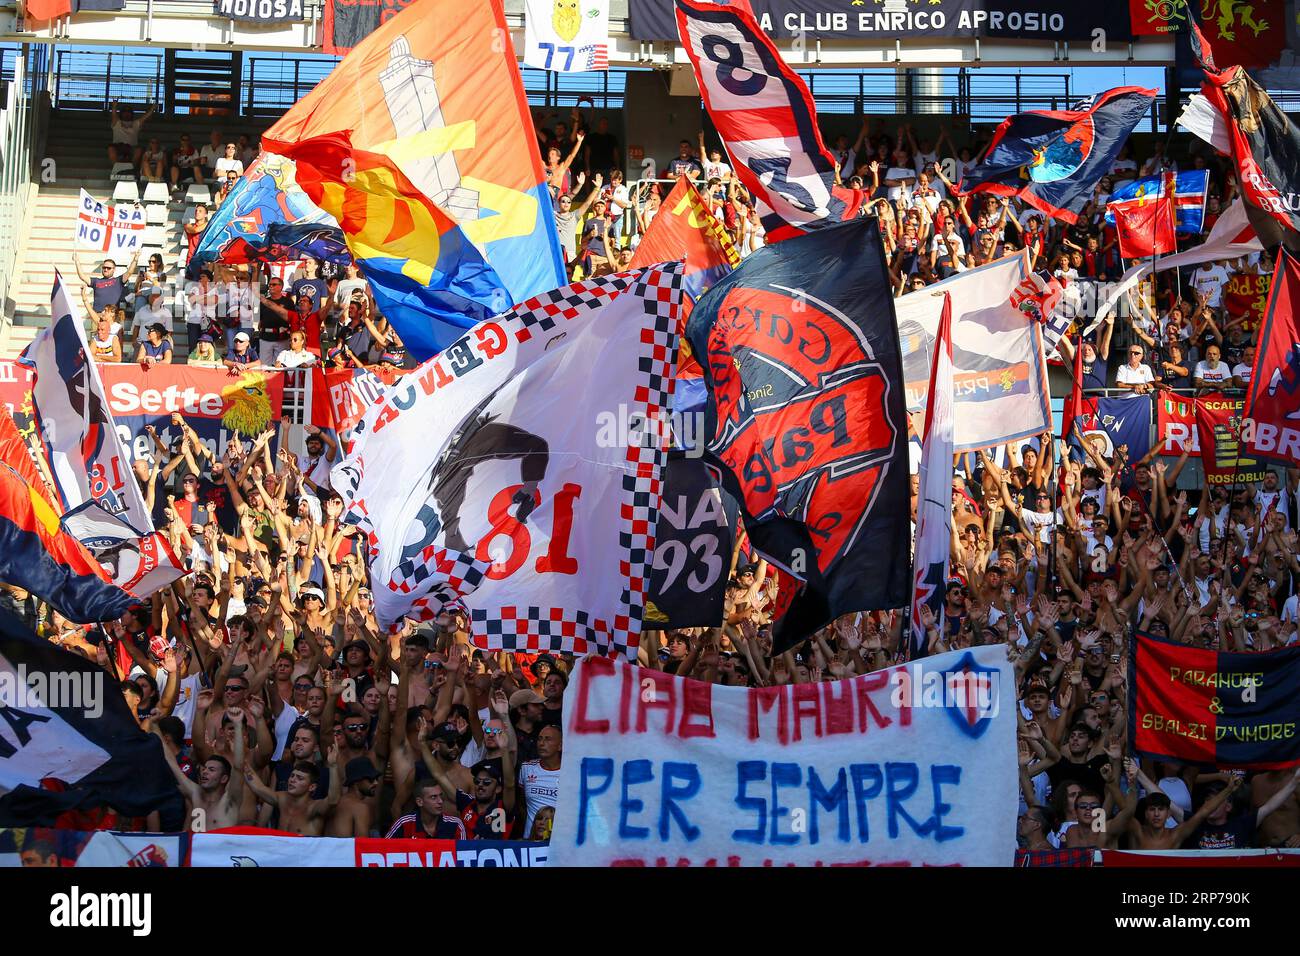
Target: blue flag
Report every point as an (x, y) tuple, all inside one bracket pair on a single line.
[(1190, 190), (1111, 422), (1053, 159)]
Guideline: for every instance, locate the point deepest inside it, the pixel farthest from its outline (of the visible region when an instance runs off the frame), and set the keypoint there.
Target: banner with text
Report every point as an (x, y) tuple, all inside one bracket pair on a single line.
[(910, 765), (248, 846), (118, 230), (1215, 707), (1180, 422)]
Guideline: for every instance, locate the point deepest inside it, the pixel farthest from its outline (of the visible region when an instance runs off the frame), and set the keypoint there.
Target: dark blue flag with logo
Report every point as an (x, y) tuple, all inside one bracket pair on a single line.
[(806, 413), (1108, 423), (1052, 159), (694, 539), (68, 739)]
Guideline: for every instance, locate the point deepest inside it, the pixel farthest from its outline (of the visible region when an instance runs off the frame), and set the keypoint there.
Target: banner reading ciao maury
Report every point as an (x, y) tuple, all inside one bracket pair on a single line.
[(911, 765)]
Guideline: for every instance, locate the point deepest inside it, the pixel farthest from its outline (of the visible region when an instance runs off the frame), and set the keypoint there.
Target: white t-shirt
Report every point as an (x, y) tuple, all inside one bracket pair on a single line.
[(288, 717), (1209, 375), (1211, 282), (1128, 375), (148, 315), (127, 132), (291, 359), (718, 170), (944, 245), (225, 165), (211, 155), (1242, 371), (201, 307), (316, 470), (541, 788), (1037, 520)]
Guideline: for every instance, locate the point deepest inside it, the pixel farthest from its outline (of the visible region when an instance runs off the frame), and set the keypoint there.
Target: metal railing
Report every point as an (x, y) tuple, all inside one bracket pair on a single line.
[(91, 80), (17, 143)]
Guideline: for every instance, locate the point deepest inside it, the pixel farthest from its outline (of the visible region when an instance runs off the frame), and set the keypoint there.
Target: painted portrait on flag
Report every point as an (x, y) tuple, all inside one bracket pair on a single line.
[(520, 508)]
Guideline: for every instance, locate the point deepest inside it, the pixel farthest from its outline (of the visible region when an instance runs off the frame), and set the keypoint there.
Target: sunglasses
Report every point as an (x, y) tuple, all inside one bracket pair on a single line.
[(356, 728), (303, 686), (1087, 806), (491, 731)]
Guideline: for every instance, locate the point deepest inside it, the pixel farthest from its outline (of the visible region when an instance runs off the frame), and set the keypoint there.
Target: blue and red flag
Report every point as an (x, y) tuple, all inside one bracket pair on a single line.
[(267, 218), (36, 553), (1052, 159), (1216, 708), (427, 278), (807, 415), (765, 115), (1190, 189)]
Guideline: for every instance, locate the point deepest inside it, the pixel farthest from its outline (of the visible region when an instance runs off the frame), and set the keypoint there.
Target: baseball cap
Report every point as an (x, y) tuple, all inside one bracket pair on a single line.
[(205, 338), (315, 592), (242, 336), (359, 768), (488, 767), (446, 732), (391, 357), (150, 290), (158, 327), (522, 698), (356, 643)]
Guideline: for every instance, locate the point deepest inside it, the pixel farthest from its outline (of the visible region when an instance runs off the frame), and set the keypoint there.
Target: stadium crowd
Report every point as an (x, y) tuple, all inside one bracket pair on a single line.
[(280, 702)]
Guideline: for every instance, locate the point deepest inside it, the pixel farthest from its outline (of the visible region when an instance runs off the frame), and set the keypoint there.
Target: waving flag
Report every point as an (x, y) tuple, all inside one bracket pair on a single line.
[(427, 278), (1052, 159), (806, 412), (934, 509), (1272, 428), (1145, 224), (498, 475), (1231, 237), (36, 553), (997, 350), (76, 428), (766, 118), (437, 90), (1190, 190), (77, 748), (1236, 116), (267, 218)]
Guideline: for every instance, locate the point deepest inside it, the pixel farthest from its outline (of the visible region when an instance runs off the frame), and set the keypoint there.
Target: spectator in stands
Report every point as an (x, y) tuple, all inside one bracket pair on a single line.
[(1211, 374), (246, 152), (153, 163), (601, 152), (156, 349), (567, 218), (201, 302), (1135, 375), (154, 312), (213, 151), (105, 346), (125, 147), (684, 163), (204, 354), (230, 162), (194, 230), (345, 287), (240, 357), (596, 233), (557, 169), (273, 331), (226, 183), (311, 283), (240, 307), (109, 287), (296, 355), (186, 164)]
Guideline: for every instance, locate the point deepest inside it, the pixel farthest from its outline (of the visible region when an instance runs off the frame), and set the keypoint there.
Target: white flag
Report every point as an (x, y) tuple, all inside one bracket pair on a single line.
[(115, 230), (76, 426), (566, 36), (497, 476), (934, 487)]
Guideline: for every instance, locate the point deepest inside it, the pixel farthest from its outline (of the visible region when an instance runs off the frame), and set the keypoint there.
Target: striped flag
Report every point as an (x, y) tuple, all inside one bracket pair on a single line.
[(934, 510)]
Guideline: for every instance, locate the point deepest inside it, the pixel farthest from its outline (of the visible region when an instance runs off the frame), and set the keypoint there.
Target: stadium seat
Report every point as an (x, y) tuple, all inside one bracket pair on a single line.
[(122, 172), (126, 191), (156, 192), (199, 194), (155, 235), (155, 215)]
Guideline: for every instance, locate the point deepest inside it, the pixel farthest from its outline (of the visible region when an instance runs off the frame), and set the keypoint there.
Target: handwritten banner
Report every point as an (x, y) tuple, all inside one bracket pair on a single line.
[(910, 765), (116, 229)]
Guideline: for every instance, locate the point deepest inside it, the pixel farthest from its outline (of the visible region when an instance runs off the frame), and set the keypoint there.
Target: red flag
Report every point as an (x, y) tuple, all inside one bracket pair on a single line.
[(1273, 398), (1245, 34), (1156, 17), (1146, 224), (1074, 404), (48, 9)]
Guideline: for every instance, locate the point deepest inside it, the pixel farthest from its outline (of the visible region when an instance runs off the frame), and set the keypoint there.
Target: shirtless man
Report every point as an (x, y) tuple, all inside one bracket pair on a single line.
[(1282, 826), (355, 814), (1091, 826), (1147, 830), (214, 802), (299, 813)]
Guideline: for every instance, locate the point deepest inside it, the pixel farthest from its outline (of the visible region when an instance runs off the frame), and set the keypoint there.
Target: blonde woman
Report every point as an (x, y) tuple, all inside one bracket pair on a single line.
[(204, 354)]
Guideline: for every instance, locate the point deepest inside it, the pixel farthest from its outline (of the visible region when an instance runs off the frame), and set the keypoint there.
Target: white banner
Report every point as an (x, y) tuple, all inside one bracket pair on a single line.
[(486, 477), (245, 847), (76, 427), (999, 373), (566, 36), (911, 765), (118, 230)]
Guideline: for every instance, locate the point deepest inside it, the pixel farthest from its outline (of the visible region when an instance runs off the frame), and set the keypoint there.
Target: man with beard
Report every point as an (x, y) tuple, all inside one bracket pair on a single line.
[(355, 814), (488, 810), (445, 755), (526, 712), (299, 812), (214, 801), (304, 746), (428, 822)]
